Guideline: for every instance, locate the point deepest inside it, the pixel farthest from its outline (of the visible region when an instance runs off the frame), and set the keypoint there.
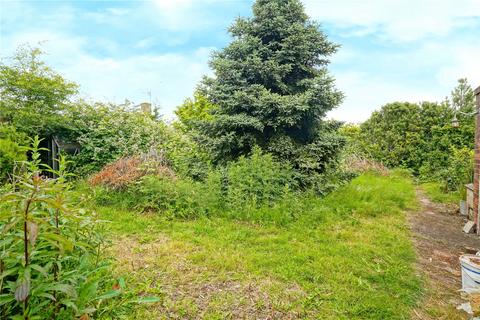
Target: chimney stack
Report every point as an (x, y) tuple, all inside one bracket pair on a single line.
[(146, 107)]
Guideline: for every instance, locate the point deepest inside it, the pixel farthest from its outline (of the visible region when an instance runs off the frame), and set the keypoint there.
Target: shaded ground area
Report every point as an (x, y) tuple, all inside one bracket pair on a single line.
[(439, 241)]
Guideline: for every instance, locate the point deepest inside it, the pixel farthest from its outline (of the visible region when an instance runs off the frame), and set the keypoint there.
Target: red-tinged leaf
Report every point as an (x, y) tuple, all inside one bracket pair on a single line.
[(116, 286), (22, 291), (84, 317), (32, 229)]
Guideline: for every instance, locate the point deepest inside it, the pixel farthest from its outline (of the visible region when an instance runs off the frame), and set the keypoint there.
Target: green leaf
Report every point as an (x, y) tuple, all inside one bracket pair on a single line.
[(39, 269), (121, 283), (46, 295), (65, 288), (5, 299), (70, 304), (63, 243), (147, 300), (109, 295)]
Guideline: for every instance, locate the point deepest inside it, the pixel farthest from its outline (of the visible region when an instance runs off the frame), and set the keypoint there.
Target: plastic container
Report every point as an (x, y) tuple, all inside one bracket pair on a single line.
[(470, 265)]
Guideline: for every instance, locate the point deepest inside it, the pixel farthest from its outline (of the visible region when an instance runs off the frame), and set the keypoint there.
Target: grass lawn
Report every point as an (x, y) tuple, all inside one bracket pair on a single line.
[(436, 193), (349, 257)]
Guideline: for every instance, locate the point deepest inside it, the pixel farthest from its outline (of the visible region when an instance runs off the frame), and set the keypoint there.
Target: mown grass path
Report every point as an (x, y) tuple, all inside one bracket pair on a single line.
[(349, 257)]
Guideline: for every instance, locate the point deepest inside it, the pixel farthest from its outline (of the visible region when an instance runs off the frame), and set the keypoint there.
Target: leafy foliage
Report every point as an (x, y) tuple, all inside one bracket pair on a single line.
[(185, 156), (35, 100), (271, 89), (193, 111), (108, 132), (257, 180), (33, 97), (50, 249), (420, 137), (11, 150), (354, 158)]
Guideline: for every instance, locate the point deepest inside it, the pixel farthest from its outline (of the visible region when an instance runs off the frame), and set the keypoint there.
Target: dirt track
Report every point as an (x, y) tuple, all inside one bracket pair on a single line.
[(439, 241)]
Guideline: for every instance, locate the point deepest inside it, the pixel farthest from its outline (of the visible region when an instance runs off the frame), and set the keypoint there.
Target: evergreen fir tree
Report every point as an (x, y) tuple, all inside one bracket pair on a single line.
[(272, 89)]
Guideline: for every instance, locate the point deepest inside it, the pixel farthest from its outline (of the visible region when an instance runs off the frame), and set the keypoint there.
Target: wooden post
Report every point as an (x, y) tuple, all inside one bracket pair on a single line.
[(476, 165)]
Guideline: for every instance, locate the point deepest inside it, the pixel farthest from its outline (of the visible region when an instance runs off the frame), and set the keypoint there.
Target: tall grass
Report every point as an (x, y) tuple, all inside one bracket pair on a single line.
[(255, 188), (349, 254)]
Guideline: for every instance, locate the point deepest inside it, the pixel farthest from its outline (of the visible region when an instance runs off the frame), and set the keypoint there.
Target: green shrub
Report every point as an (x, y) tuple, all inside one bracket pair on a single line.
[(185, 156), (50, 253), (106, 133), (11, 151), (421, 137), (245, 190), (459, 171), (182, 198), (289, 207), (256, 180)]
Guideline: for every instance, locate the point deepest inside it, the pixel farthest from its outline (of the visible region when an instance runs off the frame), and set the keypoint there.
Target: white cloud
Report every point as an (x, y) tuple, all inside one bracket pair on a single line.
[(397, 20), (426, 73), (170, 77), (182, 14), (464, 63), (365, 94), (145, 43), (412, 71)]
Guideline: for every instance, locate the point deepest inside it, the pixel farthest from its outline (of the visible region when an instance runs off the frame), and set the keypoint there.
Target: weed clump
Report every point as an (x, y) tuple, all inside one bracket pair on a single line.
[(126, 170)]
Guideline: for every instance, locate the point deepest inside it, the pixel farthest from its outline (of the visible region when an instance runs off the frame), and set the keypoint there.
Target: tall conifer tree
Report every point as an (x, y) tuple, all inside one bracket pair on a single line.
[(272, 88)]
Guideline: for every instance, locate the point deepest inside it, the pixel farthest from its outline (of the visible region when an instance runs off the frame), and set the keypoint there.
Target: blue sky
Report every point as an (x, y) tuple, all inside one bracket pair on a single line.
[(407, 50)]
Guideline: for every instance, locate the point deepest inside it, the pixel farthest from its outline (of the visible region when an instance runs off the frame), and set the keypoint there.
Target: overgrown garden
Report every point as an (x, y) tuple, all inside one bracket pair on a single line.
[(251, 185)]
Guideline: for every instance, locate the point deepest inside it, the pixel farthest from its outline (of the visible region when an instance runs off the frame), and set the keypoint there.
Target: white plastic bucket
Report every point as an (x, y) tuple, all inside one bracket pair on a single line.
[(470, 271)]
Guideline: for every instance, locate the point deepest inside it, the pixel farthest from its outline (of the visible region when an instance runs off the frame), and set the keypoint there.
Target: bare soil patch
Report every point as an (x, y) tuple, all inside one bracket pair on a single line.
[(439, 242)]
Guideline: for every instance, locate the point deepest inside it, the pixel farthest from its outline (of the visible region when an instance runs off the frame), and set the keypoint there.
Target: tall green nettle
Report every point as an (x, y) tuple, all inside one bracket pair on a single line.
[(272, 89)]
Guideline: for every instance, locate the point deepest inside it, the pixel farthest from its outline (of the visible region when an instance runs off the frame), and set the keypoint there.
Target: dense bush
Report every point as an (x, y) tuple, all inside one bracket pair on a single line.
[(33, 97), (182, 198), (193, 111), (256, 180), (185, 156), (458, 171), (107, 132), (11, 152), (35, 100), (421, 137)]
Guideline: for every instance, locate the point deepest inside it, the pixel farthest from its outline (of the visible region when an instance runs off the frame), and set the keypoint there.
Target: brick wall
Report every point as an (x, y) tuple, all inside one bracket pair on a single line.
[(476, 185)]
